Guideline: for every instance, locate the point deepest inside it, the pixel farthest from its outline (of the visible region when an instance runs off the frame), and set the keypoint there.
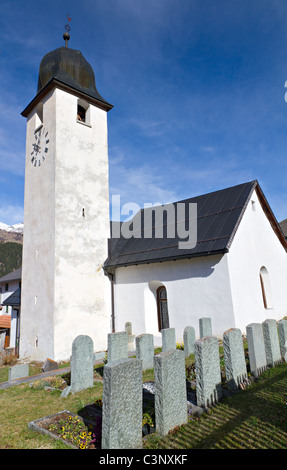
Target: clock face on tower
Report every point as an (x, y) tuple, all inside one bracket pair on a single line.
[(40, 146)]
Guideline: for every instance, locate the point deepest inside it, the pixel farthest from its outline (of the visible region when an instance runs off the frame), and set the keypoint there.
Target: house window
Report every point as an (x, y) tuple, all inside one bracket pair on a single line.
[(6, 287), (162, 308), (265, 288)]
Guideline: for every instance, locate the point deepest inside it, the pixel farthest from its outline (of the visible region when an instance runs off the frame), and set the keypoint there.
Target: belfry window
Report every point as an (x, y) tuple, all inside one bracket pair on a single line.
[(39, 115), (83, 112)]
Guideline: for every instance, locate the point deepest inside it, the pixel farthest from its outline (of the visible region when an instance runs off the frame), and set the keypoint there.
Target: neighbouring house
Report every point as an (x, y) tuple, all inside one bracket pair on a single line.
[(10, 297), (283, 226), (236, 273)]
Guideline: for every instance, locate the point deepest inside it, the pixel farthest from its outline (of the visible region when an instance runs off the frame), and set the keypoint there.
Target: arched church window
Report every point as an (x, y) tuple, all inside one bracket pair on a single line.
[(265, 288), (162, 308)]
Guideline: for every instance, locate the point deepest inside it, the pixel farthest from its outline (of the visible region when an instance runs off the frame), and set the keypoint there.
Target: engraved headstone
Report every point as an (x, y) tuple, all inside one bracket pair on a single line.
[(207, 369), (189, 340), (256, 349), (168, 339), (82, 363), (117, 346), (234, 358), (205, 327), (122, 405), (170, 390), (145, 350), (271, 341)]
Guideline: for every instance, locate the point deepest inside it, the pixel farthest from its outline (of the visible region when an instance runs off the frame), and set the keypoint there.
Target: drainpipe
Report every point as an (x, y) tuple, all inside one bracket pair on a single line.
[(111, 275), (17, 339), (113, 301)]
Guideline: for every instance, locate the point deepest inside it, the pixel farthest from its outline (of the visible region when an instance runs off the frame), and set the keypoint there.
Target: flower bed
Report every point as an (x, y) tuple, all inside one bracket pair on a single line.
[(71, 429)]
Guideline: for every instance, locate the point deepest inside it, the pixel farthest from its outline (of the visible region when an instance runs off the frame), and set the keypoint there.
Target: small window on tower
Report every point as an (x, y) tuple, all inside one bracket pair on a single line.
[(81, 116), (83, 112), (39, 115)]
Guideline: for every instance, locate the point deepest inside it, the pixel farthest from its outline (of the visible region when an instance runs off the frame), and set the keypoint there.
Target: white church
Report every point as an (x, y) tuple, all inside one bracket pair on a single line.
[(78, 279)]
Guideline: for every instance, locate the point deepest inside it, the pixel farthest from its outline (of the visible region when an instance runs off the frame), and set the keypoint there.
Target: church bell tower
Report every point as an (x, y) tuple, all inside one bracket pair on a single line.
[(66, 210)]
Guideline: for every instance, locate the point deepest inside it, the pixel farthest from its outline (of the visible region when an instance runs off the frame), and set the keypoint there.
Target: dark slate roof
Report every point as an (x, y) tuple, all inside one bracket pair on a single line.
[(283, 226), (218, 216), (13, 276), (14, 300)]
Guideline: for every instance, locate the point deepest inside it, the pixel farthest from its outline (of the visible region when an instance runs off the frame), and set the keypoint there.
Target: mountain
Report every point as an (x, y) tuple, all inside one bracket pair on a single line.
[(11, 241), (11, 233)]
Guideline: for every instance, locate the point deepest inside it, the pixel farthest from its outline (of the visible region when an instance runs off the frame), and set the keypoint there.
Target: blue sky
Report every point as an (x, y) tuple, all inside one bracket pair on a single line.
[(197, 86)]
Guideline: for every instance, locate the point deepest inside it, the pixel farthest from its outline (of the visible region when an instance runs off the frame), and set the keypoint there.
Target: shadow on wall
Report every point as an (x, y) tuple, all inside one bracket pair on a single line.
[(201, 267)]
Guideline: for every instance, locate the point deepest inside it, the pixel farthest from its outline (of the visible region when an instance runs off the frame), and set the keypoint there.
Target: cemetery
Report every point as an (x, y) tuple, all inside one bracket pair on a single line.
[(148, 391)]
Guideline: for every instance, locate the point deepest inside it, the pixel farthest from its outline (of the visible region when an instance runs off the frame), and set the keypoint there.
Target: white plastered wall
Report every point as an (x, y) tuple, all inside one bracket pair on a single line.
[(196, 288), (255, 245)]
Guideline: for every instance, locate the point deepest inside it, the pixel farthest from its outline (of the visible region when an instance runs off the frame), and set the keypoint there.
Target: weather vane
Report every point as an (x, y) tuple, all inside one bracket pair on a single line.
[(66, 35)]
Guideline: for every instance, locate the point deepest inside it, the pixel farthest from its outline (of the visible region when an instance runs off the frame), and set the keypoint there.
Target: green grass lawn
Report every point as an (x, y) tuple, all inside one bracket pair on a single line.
[(254, 418)]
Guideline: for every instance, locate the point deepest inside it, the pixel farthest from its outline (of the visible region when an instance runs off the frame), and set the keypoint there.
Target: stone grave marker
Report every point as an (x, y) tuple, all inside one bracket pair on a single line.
[(271, 341), (18, 371), (207, 369), (122, 405), (49, 364), (168, 339), (145, 350), (189, 340), (117, 346), (205, 327), (282, 328), (131, 337), (256, 349), (82, 363), (234, 358), (170, 390)]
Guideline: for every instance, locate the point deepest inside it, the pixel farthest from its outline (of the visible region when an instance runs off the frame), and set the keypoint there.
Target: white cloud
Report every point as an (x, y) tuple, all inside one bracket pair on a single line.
[(11, 215)]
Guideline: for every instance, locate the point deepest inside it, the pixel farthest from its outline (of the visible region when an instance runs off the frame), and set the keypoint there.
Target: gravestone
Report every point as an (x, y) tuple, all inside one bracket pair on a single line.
[(256, 349), (131, 337), (49, 364), (168, 339), (117, 346), (207, 369), (82, 363), (145, 350), (99, 355), (189, 340), (282, 328), (18, 371), (271, 341), (205, 327), (170, 390), (2, 339), (122, 405), (234, 358)]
